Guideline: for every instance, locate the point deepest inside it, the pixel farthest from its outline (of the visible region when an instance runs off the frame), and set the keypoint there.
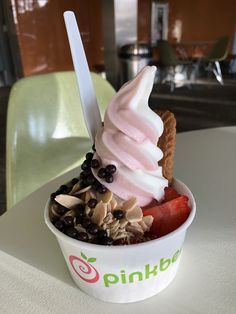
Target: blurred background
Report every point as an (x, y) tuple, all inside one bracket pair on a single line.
[(192, 43)]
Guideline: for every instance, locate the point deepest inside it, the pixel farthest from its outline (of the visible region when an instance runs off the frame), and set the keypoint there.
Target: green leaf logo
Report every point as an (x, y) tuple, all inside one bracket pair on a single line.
[(92, 259), (84, 256)]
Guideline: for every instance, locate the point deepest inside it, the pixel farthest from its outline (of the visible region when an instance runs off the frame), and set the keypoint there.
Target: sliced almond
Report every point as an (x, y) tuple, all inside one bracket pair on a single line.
[(69, 213), (83, 190), (130, 204), (80, 228), (75, 188), (123, 222), (53, 210), (107, 197), (99, 213), (134, 215), (68, 201), (148, 220), (143, 225), (113, 204), (114, 228), (135, 229), (88, 196), (108, 219)]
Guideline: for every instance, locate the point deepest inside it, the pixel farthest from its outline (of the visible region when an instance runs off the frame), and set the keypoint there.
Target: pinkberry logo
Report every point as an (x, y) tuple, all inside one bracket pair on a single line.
[(87, 272), (83, 268)]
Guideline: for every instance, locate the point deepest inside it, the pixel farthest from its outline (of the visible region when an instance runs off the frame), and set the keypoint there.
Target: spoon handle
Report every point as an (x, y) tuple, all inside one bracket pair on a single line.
[(87, 94)]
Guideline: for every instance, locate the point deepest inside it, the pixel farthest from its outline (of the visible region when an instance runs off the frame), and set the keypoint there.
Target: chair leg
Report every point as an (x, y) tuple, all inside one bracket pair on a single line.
[(172, 79), (218, 73)]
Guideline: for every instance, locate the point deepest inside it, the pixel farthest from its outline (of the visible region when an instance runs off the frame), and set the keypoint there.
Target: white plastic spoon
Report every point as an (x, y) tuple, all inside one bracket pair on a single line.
[(87, 94)]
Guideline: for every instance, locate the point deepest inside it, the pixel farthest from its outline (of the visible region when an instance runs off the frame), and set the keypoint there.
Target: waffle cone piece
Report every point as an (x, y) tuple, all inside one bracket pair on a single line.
[(167, 143)]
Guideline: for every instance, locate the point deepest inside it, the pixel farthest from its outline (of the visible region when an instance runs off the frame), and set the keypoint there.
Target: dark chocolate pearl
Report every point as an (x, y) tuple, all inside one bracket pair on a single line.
[(84, 183), (78, 220), (82, 236), (74, 181), (59, 225), (106, 241), (79, 210), (82, 175), (89, 156), (61, 210), (86, 222), (109, 178), (71, 232), (68, 221), (86, 164), (101, 189), (95, 240), (102, 173), (111, 169), (102, 234), (118, 214), (95, 185), (53, 195), (93, 147), (64, 189), (93, 229), (90, 179), (92, 203), (94, 163)]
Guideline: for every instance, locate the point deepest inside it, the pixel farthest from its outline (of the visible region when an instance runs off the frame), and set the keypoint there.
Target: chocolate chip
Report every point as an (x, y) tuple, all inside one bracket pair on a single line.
[(92, 203), (93, 229), (94, 163), (118, 214), (82, 236), (111, 169)]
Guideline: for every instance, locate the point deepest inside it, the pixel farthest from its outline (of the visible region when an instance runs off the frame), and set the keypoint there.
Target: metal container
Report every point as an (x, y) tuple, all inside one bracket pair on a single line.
[(132, 58)]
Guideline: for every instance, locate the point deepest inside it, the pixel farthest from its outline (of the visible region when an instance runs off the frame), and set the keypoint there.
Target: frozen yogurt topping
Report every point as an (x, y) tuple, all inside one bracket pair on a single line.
[(129, 139)]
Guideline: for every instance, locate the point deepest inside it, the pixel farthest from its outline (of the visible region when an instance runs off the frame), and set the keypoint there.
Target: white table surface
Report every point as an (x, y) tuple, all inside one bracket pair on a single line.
[(34, 277)]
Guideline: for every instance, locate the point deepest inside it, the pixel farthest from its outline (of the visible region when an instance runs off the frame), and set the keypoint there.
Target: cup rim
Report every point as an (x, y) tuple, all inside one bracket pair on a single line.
[(96, 247)]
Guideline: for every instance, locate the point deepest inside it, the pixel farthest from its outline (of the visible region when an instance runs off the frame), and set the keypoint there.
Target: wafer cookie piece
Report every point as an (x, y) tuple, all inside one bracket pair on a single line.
[(167, 143)]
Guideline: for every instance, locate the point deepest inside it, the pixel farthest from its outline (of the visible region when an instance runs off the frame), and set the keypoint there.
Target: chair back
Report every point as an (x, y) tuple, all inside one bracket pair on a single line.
[(46, 132), (166, 53), (219, 50)]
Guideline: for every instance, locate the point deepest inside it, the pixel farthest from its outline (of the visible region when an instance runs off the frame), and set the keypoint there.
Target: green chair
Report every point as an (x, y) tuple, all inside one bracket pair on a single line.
[(169, 60), (218, 53), (46, 132)]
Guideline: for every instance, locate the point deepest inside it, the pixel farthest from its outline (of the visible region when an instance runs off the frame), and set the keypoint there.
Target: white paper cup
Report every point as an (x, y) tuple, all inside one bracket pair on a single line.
[(129, 273)]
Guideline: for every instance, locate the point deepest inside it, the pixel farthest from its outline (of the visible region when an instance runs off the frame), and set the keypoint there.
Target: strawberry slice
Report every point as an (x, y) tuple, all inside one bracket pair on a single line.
[(168, 216), (170, 194)]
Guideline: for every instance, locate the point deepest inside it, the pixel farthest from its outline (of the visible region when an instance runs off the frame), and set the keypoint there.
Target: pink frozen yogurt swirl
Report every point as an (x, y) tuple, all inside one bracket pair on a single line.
[(129, 140)]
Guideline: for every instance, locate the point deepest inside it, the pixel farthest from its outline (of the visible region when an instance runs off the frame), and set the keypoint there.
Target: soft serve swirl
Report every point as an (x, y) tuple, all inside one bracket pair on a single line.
[(128, 139)]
